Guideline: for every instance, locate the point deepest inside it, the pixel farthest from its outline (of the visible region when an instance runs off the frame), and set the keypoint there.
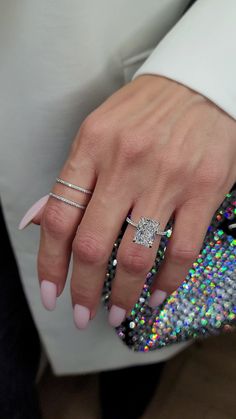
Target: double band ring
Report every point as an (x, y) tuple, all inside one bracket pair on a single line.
[(146, 231), (71, 186)]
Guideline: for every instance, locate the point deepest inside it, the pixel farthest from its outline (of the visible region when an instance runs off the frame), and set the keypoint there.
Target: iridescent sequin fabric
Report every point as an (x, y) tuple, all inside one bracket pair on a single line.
[(205, 303)]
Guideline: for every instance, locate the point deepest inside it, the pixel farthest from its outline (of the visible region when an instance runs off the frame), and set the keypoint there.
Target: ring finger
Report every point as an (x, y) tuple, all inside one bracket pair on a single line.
[(134, 261)]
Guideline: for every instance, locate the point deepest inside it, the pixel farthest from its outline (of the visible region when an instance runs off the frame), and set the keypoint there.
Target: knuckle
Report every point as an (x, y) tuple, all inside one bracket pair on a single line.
[(182, 255), (53, 220), (81, 294), (89, 249), (93, 126), (134, 262), (171, 165), (209, 176), (132, 146), (52, 269)]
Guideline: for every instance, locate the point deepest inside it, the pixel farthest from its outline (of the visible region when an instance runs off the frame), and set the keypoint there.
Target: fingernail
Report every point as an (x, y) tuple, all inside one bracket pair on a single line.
[(157, 298), (48, 294), (116, 316), (81, 316), (32, 212)]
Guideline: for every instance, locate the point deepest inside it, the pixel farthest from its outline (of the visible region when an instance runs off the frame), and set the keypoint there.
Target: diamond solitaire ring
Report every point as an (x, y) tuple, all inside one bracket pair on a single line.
[(147, 230)]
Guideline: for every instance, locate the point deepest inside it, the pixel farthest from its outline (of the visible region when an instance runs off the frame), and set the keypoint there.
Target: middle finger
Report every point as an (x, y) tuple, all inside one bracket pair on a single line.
[(93, 245)]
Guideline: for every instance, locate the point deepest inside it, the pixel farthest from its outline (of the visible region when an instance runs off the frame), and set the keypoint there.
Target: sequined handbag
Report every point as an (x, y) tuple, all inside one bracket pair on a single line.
[(205, 303)]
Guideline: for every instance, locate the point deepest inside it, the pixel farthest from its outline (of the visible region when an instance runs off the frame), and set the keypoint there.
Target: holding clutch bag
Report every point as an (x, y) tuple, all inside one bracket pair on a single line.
[(204, 305)]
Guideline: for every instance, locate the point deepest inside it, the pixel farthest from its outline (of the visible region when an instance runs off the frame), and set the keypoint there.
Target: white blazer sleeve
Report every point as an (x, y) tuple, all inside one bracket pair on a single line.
[(200, 52)]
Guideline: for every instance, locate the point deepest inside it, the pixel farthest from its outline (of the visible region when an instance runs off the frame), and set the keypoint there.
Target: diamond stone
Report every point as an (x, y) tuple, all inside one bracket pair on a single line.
[(146, 231)]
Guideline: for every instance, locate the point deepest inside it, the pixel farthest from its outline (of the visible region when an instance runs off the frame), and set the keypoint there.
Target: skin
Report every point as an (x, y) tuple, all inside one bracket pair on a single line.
[(156, 148)]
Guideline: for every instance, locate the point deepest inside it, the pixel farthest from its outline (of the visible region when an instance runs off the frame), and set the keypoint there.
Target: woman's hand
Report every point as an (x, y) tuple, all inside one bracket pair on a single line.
[(155, 149)]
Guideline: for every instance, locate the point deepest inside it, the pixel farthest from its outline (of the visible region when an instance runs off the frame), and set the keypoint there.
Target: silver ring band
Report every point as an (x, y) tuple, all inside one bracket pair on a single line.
[(72, 186), (158, 232), (132, 223), (67, 201)]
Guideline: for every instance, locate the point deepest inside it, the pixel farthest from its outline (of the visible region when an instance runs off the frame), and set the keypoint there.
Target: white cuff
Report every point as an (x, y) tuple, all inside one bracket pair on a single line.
[(200, 52)]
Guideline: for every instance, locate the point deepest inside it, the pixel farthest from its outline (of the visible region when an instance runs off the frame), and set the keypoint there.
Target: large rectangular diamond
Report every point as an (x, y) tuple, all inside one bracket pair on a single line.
[(146, 232)]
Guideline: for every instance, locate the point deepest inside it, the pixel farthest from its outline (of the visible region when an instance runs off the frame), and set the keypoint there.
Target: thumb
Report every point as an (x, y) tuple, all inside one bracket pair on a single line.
[(34, 214)]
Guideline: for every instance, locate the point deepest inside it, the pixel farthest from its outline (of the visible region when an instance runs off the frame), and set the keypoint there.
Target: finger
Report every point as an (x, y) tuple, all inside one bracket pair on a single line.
[(134, 262), (92, 247), (58, 227), (190, 227)]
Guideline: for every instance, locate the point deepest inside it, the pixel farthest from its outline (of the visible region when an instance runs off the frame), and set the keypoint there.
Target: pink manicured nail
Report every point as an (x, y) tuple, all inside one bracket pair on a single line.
[(81, 316), (32, 212), (116, 316), (157, 298), (48, 294)]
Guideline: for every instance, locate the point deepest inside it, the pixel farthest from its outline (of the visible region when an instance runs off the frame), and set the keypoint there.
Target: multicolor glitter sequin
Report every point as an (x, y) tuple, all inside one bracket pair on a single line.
[(203, 305)]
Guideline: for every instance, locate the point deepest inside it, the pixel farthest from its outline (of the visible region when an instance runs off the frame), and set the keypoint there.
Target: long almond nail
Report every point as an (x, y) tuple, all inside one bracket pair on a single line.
[(81, 316), (32, 212), (48, 294), (157, 298), (116, 316)]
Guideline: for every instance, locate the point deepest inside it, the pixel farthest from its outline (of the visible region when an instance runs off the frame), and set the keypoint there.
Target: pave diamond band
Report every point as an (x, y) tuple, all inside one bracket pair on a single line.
[(72, 186), (147, 230), (67, 201)]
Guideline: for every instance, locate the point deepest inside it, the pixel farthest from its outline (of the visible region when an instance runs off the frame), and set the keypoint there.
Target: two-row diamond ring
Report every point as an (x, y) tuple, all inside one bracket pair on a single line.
[(71, 186)]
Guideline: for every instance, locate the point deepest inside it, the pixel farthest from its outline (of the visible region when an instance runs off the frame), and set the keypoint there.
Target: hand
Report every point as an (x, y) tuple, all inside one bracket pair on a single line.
[(154, 148)]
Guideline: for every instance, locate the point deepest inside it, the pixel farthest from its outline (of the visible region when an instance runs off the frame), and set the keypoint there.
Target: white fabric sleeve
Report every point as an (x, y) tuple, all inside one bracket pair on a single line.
[(200, 52)]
